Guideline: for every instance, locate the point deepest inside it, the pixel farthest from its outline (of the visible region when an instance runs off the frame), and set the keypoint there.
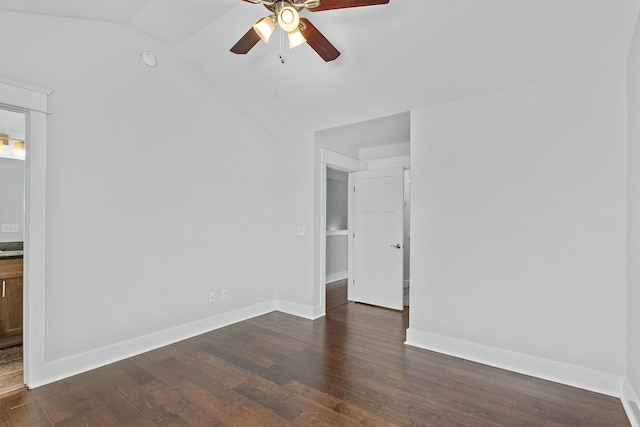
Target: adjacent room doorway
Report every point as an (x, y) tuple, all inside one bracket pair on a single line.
[(337, 237), (377, 270), (12, 232)]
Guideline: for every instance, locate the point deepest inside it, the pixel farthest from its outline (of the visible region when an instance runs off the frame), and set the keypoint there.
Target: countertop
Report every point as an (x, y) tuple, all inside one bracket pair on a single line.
[(10, 250), (11, 254)]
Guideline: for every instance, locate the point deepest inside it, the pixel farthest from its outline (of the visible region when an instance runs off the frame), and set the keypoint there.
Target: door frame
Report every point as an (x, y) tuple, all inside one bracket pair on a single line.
[(32, 102), (346, 164)]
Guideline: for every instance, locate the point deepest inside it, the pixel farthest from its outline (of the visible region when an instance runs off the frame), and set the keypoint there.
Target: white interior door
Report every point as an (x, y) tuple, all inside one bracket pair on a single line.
[(378, 254)]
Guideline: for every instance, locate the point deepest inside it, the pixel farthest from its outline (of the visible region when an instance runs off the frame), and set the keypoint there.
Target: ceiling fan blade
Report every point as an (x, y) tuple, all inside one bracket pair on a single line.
[(317, 41), (246, 43), (343, 4)]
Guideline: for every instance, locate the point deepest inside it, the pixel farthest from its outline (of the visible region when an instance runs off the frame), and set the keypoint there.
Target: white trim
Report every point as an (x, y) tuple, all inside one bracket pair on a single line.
[(318, 312), (347, 164), (350, 242), (299, 310), (34, 329), (22, 108), (631, 403), (391, 162), (340, 161), (28, 86), (23, 96), (64, 368), (341, 275), (576, 376), (322, 271)]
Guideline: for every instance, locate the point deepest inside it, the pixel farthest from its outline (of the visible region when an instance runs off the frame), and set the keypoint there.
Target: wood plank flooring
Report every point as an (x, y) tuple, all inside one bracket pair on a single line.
[(11, 369), (348, 369), (336, 294)]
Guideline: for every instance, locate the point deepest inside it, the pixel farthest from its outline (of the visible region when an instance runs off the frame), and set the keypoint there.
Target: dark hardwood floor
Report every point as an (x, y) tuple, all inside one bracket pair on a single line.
[(11, 369), (336, 294), (349, 368)]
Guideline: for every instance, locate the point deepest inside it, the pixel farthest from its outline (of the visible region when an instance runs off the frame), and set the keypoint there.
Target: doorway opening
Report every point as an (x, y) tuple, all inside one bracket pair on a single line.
[(12, 232), (337, 238), (333, 169)]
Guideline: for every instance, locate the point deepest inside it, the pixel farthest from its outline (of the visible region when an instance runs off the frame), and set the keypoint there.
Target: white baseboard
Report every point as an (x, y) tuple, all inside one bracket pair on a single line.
[(631, 404), (299, 310), (318, 312), (64, 368), (576, 376), (334, 277)]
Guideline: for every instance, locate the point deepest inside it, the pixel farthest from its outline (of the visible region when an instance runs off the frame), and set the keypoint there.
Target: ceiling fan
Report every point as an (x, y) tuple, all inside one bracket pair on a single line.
[(285, 14)]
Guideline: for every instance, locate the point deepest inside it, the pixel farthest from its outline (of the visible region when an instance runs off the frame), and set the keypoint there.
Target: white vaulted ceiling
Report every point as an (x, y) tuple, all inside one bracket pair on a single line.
[(395, 57)]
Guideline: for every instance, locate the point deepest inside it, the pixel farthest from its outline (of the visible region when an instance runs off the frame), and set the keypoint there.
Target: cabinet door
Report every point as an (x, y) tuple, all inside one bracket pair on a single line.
[(11, 304)]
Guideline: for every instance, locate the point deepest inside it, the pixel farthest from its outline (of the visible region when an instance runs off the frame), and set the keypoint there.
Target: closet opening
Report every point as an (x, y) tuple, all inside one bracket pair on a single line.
[(337, 238)]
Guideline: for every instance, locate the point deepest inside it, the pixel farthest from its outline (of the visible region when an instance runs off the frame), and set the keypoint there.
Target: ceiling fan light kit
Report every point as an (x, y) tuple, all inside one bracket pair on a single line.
[(295, 38), (299, 30), (265, 27), (288, 18)]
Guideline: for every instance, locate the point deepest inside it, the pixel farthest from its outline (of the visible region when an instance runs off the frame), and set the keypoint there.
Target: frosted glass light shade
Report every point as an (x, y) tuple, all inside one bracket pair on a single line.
[(295, 38), (265, 27), (288, 19)]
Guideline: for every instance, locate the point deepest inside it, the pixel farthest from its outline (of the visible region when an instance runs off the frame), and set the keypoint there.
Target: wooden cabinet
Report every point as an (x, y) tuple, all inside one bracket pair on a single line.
[(11, 305)]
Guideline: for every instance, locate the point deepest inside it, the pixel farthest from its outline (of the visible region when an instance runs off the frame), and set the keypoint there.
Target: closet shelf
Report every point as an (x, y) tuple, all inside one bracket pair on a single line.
[(331, 233)]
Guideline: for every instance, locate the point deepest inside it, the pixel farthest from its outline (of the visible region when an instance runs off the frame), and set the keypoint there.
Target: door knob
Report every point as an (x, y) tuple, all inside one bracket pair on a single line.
[(398, 246)]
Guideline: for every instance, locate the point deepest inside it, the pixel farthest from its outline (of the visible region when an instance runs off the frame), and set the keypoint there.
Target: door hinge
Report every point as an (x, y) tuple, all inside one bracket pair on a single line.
[(354, 189), (354, 235)]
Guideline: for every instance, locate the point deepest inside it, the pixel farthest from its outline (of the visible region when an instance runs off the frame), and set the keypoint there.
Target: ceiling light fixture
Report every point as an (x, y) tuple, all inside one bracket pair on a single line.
[(18, 148), (295, 38), (300, 30), (4, 140), (265, 27), (288, 19)]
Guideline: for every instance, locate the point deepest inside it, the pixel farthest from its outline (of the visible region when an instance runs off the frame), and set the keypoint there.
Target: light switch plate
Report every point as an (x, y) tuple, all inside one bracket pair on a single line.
[(10, 228), (300, 230)]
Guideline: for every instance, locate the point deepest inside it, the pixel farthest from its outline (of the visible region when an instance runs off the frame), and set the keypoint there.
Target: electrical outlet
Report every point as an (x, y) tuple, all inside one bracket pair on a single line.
[(212, 297), (223, 294), (10, 228)]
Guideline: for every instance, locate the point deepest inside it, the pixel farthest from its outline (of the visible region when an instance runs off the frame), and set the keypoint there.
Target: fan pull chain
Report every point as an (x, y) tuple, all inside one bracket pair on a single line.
[(281, 44)]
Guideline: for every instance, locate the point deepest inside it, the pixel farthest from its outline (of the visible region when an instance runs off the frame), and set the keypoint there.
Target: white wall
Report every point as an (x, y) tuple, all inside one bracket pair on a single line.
[(518, 231), (296, 293), (337, 199), (337, 257), (12, 197), (159, 190), (337, 210), (370, 139), (633, 218)]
